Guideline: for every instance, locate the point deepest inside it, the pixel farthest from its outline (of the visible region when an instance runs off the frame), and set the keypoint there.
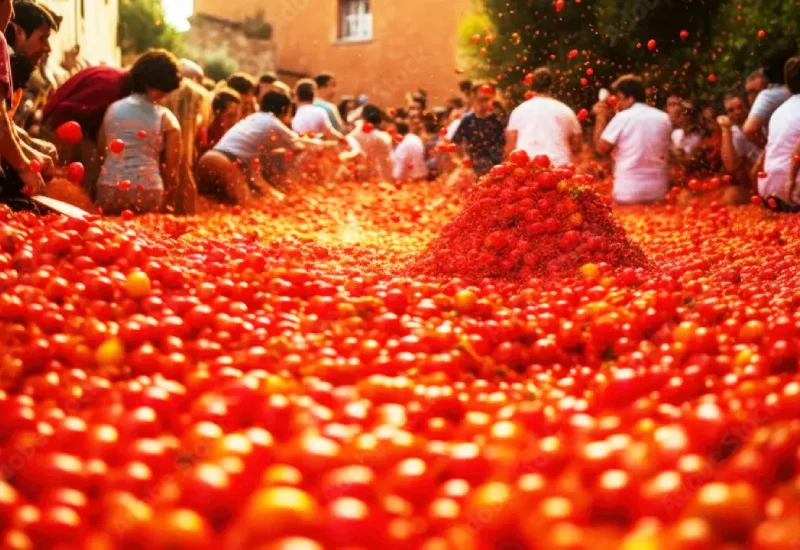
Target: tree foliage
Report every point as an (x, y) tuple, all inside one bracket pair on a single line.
[(697, 46), (142, 25)]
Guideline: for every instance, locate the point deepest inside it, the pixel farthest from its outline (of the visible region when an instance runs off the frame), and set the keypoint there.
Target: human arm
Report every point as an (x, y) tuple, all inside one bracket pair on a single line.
[(171, 165), (11, 150), (756, 170), (602, 112), (511, 142), (730, 159), (794, 170)]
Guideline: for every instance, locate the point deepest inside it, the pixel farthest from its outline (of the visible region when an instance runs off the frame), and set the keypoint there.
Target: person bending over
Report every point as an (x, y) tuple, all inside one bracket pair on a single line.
[(232, 170), (247, 87), (638, 139), (148, 169)]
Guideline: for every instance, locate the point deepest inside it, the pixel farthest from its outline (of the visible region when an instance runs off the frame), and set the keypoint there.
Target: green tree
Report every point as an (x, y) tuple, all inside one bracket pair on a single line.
[(142, 25)]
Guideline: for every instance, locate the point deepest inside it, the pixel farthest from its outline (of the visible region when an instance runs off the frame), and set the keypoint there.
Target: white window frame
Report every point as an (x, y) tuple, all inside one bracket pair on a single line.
[(355, 21)]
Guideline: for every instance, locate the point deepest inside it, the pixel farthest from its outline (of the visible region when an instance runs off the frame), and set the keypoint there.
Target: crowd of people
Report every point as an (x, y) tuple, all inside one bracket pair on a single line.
[(156, 135)]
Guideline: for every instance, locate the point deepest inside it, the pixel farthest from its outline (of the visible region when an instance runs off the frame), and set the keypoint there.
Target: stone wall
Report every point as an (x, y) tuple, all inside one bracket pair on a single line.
[(212, 37)]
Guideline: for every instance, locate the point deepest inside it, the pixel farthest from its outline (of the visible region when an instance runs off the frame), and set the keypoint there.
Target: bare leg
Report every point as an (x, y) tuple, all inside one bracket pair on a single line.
[(216, 175)]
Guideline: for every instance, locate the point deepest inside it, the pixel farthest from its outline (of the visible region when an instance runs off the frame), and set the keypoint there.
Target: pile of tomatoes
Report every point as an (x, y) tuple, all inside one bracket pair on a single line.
[(272, 378), (528, 218)]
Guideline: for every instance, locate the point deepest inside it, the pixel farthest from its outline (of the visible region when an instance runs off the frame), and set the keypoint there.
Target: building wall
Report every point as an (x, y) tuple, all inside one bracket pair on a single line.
[(413, 45), (90, 23)]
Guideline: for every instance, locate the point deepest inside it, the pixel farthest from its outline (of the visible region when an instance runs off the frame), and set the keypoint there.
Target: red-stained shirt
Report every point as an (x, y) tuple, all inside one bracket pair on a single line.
[(85, 97)]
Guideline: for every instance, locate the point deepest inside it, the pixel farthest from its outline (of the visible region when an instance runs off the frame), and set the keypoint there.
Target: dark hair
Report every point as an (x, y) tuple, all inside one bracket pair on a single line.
[(371, 114), (305, 89), (223, 98), (542, 80), (323, 79), (242, 83), (735, 93), (30, 16), (21, 71), (402, 127), (209, 84), (792, 74), (156, 70), (775, 60), (276, 102), (757, 74), (630, 85), (268, 78), (465, 87)]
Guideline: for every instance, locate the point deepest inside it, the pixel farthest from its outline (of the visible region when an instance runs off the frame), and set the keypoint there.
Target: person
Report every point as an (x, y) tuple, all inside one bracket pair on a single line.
[(781, 184), (409, 157), (192, 71), (756, 127), (190, 105), (30, 30), (18, 180), (310, 118), (756, 82), (638, 137), (326, 94), (347, 104), (232, 169), (265, 85), (543, 125), (224, 114), (482, 132), (738, 153), (374, 144), (246, 86), (147, 170)]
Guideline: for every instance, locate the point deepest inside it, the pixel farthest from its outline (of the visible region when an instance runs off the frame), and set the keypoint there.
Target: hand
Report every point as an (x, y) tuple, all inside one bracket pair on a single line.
[(724, 121), (33, 184), (601, 109)]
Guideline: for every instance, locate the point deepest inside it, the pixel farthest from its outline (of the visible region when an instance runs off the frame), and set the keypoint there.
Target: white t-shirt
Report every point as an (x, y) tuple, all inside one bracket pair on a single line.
[(311, 118), (641, 136), (686, 143), (784, 133), (768, 101), (744, 147), (544, 126), (409, 159), (255, 135), (377, 148)]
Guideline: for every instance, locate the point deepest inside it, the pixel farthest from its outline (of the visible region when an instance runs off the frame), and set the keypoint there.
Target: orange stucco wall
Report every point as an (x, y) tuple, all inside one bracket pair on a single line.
[(413, 45)]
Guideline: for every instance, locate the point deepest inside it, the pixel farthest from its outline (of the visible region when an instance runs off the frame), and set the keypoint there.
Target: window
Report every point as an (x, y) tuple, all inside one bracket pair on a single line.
[(355, 20)]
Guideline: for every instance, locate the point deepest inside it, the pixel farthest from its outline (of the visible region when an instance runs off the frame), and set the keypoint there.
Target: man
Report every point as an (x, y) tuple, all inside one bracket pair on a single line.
[(738, 153), (782, 155), (374, 144), (246, 86), (326, 95), (309, 118), (409, 157), (482, 132), (639, 136), (225, 108), (543, 125), (756, 126), (266, 84), (755, 83)]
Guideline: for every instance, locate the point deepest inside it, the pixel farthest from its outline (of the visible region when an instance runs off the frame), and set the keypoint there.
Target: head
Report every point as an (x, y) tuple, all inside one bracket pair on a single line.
[(629, 90), (674, 108), (372, 114), (279, 104), (736, 107), (209, 84), (326, 86), (246, 85), (191, 70), (707, 118), (465, 87), (265, 84), (482, 97), (155, 74), (347, 103), (775, 60), (542, 82), (282, 86), (305, 91), (30, 29), (792, 74), (402, 127), (756, 82), (226, 107)]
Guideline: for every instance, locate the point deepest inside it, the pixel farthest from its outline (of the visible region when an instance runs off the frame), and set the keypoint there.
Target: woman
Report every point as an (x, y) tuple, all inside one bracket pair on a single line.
[(140, 176), (190, 105)]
